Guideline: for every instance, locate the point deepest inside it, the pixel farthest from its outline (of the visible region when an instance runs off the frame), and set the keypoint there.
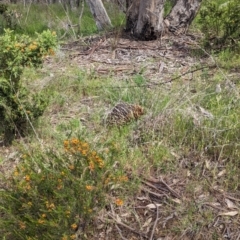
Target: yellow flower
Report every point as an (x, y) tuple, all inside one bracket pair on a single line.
[(123, 179), (22, 225), (73, 236), (74, 226), (67, 213), (16, 173), (64, 238), (91, 166), (71, 167), (43, 215), (32, 47), (75, 141), (89, 187), (50, 206), (84, 152), (27, 178), (29, 204), (119, 202), (100, 163), (51, 51), (41, 221), (85, 145), (66, 143), (17, 45), (107, 180)]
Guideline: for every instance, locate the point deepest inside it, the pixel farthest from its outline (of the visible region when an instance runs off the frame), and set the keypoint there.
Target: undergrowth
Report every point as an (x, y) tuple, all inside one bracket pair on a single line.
[(75, 171)]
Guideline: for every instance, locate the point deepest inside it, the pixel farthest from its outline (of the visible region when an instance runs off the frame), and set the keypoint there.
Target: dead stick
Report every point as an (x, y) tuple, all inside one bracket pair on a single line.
[(153, 193), (171, 190), (120, 232), (155, 223), (126, 226)]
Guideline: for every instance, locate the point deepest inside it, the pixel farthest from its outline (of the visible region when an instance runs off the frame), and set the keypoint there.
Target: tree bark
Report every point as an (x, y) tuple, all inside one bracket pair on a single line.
[(145, 18), (99, 13), (182, 15)]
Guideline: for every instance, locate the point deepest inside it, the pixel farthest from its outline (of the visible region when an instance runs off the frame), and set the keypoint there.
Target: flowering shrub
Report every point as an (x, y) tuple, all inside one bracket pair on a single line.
[(49, 196), (17, 105)]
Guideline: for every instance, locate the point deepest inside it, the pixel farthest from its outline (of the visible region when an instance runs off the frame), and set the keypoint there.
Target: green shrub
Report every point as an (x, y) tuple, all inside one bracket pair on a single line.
[(49, 195), (221, 24), (18, 105)]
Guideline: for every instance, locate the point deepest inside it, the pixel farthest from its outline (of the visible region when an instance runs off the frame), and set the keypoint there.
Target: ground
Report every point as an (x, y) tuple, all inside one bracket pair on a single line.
[(184, 197)]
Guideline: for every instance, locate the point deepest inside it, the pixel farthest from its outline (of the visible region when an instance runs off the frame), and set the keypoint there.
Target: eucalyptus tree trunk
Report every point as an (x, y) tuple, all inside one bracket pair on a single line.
[(182, 15), (145, 17), (99, 13)]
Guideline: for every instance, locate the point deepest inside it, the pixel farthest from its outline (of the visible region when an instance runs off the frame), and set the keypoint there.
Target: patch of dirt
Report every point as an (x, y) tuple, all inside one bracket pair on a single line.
[(125, 57)]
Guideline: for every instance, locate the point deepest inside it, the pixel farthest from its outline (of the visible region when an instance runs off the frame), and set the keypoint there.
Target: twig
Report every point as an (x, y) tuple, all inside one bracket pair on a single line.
[(94, 48), (128, 227), (155, 223), (120, 232), (168, 218), (174, 193), (213, 206), (154, 187), (232, 198), (153, 193), (238, 238), (171, 190)]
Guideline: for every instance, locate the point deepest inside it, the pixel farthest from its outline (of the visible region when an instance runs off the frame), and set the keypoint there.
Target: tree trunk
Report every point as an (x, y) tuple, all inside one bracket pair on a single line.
[(145, 17), (99, 13), (182, 15)]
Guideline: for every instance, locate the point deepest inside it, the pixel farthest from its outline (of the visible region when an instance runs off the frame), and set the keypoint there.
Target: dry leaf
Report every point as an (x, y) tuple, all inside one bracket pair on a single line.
[(221, 173), (125, 214), (100, 226), (118, 218), (153, 206), (232, 213), (146, 224), (230, 204), (205, 113), (142, 198), (207, 164), (176, 200), (161, 66)]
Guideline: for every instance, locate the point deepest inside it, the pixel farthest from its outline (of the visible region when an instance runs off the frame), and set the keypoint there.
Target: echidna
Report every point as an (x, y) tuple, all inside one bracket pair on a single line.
[(123, 113)]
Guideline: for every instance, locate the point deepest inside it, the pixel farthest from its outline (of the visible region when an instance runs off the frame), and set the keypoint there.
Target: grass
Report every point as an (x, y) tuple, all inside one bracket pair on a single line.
[(34, 18), (187, 141)]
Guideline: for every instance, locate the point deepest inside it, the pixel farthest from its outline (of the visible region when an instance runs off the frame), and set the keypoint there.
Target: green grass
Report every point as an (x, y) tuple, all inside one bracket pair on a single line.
[(189, 136), (39, 17)]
